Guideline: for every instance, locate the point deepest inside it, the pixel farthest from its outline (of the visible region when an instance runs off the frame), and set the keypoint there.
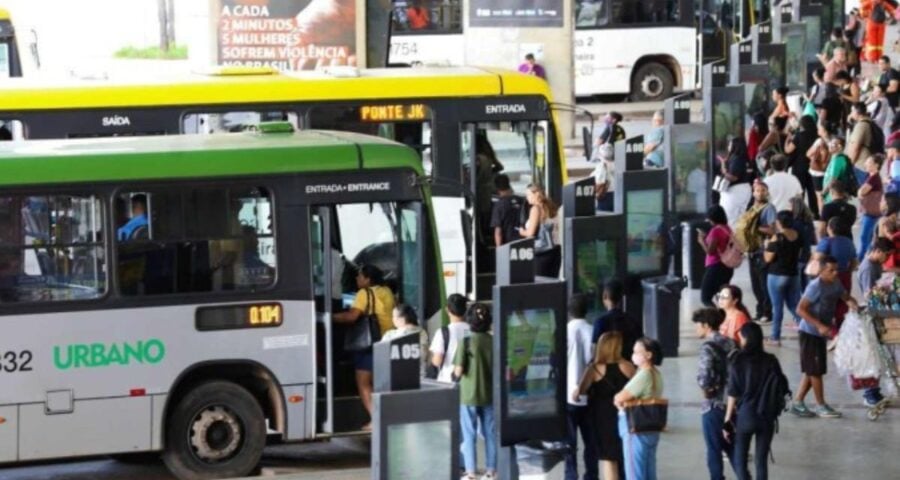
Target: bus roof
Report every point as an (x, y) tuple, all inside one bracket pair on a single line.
[(211, 89), (196, 156)]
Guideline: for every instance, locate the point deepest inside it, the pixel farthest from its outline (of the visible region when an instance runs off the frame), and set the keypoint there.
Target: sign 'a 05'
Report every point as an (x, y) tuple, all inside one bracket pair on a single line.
[(406, 352)]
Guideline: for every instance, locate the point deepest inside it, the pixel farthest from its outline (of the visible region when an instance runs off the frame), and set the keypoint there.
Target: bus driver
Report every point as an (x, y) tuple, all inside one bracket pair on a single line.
[(137, 227)]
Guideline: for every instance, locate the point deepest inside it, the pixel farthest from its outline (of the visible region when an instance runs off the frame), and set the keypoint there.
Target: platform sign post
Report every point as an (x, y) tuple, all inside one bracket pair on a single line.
[(579, 199), (515, 262), (529, 381), (677, 110), (397, 364)]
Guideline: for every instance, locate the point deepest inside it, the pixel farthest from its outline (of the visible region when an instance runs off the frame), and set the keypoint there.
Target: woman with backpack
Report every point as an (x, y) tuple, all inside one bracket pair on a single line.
[(714, 242), (757, 392)]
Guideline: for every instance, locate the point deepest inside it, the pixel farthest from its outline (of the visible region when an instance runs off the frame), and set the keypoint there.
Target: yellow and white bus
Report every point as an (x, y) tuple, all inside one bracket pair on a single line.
[(10, 64), (439, 112)]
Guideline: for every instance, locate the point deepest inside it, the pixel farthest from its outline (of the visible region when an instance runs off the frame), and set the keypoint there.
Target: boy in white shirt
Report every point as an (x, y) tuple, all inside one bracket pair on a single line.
[(443, 351), (578, 356)]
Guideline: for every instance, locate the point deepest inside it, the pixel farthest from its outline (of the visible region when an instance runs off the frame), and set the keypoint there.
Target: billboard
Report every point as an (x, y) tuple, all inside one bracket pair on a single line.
[(286, 34), (522, 13)]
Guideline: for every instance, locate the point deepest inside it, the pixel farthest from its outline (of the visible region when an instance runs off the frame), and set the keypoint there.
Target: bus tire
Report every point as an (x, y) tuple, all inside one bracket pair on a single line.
[(652, 82), (217, 430)]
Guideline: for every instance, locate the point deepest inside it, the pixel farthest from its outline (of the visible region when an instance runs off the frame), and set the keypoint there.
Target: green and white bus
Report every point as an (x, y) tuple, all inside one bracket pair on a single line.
[(204, 329)]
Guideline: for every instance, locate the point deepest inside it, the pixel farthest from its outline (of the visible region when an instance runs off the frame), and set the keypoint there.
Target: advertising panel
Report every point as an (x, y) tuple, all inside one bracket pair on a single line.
[(524, 13), (287, 34)]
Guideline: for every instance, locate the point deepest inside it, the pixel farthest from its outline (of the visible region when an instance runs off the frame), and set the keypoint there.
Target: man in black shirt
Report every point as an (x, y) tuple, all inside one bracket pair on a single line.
[(889, 80), (837, 207), (616, 320), (505, 215)]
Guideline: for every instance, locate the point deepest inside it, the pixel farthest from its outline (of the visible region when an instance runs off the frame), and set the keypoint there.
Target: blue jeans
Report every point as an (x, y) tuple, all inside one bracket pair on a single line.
[(869, 222), (579, 419), (469, 417), (713, 421), (783, 289), (639, 451), (861, 176)]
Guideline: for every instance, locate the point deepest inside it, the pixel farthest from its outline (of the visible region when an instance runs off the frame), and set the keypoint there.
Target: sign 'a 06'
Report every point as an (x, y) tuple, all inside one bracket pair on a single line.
[(521, 254)]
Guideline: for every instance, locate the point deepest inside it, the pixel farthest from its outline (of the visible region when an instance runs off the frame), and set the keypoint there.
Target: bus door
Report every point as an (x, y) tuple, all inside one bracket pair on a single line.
[(386, 235), (517, 150)]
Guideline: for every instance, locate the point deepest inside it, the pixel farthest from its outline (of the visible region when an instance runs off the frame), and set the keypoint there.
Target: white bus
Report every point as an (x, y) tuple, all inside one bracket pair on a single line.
[(647, 48)]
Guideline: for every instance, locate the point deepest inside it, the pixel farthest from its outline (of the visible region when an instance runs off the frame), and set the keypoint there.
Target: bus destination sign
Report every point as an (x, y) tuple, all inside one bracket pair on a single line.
[(393, 113)]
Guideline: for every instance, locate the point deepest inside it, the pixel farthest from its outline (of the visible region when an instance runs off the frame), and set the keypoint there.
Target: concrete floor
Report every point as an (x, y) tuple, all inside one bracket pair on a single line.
[(851, 447)]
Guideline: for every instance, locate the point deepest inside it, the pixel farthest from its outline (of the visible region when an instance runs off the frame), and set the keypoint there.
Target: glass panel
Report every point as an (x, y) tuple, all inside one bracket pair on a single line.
[(51, 248), (221, 122), (409, 250), (427, 16), (529, 353), (195, 240)]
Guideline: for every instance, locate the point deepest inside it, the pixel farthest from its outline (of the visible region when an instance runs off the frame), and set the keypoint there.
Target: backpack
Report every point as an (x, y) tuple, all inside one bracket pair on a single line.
[(431, 371), (775, 393), (746, 230), (876, 138), (732, 256)]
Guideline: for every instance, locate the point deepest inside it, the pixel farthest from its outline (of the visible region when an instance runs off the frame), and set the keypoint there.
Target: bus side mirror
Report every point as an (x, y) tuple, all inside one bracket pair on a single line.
[(588, 143)]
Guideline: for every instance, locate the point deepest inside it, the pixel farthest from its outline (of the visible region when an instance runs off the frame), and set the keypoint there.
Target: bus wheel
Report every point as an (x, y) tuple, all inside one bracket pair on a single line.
[(216, 431), (652, 82)]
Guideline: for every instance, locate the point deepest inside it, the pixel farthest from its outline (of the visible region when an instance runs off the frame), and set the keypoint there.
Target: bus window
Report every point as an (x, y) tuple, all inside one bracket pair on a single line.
[(596, 13), (51, 248), (222, 122), (11, 130), (409, 124), (195, 240), (385, 235), (513, 145), (426, 16)]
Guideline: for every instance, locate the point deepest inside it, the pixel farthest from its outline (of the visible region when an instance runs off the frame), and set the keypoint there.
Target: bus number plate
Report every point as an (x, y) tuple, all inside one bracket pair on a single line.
[(11, 362)]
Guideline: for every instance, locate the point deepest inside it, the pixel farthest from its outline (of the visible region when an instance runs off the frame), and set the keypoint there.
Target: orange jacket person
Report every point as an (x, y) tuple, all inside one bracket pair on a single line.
[(418, 16), (876, 14)]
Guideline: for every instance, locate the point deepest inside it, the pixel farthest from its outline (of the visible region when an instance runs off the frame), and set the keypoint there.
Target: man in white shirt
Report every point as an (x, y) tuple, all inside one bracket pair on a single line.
[(442, 352), (578, 356), (783, 186)]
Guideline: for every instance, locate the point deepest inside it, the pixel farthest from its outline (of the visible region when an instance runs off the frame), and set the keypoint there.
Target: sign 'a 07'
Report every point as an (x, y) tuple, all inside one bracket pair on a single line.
[(584, 191), (406, 352), (521, 254)]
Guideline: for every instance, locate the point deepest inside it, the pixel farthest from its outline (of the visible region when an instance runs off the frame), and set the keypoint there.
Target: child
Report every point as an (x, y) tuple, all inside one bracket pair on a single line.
[(870, 271)]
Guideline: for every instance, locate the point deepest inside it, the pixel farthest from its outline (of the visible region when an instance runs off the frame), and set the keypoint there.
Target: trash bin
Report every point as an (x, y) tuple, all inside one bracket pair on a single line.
[(693, 256), (662, 307)]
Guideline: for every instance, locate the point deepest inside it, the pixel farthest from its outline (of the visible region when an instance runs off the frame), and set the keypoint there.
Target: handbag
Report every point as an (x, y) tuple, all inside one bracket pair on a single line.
[(543, 241), (721, 184), (365, 331), (647, 415)]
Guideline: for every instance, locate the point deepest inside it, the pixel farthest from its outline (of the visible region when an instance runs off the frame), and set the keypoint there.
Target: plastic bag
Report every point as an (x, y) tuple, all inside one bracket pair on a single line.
[(857, 347)]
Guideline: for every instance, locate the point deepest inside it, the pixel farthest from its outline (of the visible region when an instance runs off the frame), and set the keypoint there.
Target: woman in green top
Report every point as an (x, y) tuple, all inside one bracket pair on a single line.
[(838, 167), (472, 365), (640, 448)]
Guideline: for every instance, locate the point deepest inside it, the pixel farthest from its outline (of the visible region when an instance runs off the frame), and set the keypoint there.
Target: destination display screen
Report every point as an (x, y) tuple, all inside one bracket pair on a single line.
[(530, 377), (394, 113), (595, 264), (644, 230), (228, 317)]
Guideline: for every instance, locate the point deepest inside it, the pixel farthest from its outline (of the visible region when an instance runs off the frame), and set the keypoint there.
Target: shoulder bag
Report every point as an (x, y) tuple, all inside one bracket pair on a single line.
[(543, 241), (647, 415), (430, 370), (365, 331)]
